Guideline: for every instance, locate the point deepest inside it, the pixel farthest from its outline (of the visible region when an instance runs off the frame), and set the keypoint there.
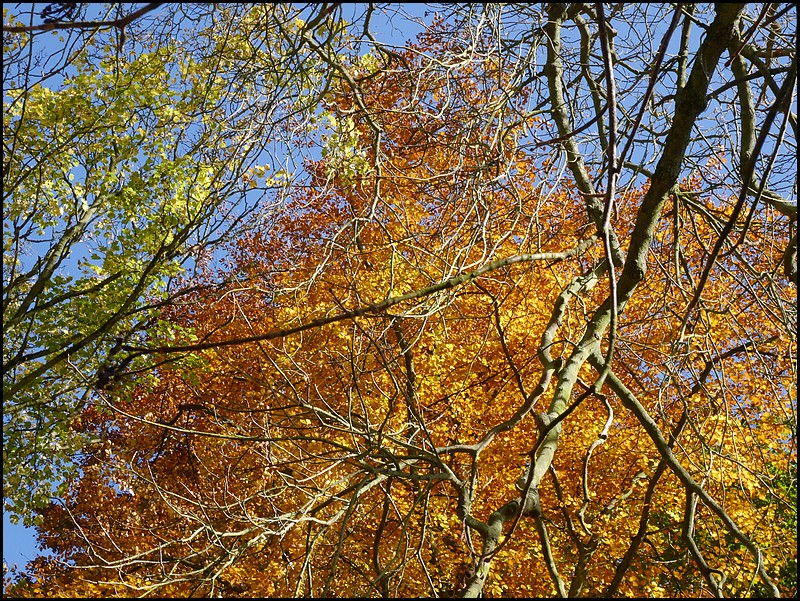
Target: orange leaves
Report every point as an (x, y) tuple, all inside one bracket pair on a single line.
[(348, 459)]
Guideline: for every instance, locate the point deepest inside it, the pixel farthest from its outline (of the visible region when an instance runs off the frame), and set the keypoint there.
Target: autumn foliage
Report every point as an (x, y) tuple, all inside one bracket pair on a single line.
[(307, 436)]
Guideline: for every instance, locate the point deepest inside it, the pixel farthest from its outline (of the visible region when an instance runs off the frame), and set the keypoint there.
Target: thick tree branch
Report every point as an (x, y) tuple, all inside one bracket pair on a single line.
[(118, 23)]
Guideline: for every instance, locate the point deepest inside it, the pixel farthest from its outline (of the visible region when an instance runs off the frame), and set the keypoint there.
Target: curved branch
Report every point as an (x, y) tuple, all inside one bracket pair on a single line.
[(631, 403), (373, 309), (118, 23)]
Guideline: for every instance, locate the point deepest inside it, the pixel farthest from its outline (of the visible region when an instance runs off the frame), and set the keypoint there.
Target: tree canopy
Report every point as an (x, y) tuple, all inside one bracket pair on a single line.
[(291, 308)]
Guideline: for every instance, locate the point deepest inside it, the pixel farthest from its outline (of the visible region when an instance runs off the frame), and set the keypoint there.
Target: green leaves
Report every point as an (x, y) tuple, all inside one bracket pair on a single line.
[(103, 190), (127, 167), (344, 156)]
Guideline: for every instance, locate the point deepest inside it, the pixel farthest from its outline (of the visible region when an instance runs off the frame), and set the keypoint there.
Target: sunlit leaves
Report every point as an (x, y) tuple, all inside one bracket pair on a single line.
[(118, 175), (346, 441), (342, 153)]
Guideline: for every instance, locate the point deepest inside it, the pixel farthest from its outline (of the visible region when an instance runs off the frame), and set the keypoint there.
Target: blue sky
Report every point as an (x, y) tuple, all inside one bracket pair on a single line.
[(19, 544)]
